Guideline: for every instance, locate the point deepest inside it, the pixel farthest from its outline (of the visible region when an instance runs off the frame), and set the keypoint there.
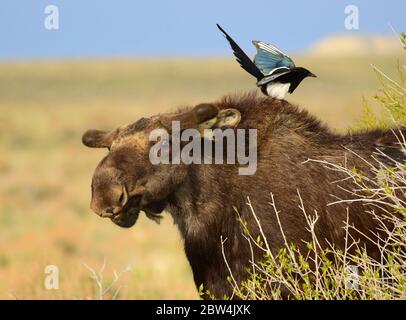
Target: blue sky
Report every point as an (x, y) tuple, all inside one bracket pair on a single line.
[(99, 28)]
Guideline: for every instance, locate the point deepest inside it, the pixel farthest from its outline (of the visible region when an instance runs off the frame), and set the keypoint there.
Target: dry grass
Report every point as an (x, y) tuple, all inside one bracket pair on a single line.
[(46, 172)]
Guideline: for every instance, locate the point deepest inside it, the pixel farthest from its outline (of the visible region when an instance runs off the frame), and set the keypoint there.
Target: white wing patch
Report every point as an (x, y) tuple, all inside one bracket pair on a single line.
[(277, 90), (273, 71)]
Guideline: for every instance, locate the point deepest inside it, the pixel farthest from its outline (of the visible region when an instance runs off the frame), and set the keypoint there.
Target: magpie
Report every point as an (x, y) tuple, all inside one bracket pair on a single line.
[(275, 72)]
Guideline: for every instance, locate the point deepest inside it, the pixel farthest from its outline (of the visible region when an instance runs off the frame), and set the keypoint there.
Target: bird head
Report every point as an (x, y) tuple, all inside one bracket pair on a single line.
[(305, 73), (297, 76)]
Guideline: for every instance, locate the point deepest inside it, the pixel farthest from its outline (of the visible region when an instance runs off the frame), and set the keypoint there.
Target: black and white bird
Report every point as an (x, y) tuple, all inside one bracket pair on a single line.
[(275, 72)]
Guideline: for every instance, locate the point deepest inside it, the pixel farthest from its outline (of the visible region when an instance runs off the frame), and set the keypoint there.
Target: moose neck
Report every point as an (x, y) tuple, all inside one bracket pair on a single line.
[(202, 207)]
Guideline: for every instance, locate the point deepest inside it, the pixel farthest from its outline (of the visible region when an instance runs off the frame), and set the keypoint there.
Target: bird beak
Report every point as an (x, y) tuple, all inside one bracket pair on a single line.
[(312, 75)]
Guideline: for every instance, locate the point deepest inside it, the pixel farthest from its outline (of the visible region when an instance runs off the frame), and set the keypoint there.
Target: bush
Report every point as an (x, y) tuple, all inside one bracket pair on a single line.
[(338, 274)]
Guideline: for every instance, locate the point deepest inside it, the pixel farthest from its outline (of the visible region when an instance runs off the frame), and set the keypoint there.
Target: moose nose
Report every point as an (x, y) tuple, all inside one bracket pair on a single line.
[(108, 213)]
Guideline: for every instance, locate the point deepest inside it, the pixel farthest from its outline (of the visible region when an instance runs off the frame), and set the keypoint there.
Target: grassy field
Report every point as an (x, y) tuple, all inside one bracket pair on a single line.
[(45, 172)]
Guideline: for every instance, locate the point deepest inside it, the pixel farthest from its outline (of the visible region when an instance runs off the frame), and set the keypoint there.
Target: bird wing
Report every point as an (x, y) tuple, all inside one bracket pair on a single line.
[(269, 57), (244, 61), (282, 71)]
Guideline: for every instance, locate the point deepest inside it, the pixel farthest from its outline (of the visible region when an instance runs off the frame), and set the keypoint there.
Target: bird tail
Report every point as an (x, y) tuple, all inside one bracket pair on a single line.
[(244, 61)]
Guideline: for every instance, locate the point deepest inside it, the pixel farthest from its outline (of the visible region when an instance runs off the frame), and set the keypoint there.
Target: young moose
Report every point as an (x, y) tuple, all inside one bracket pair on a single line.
[(202, 198)]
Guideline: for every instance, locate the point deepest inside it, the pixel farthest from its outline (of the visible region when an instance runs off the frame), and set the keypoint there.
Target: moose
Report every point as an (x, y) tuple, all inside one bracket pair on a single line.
[(203, 199)]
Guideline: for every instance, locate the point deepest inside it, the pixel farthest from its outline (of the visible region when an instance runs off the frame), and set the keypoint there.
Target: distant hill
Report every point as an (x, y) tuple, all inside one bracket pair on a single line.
[(340, 45)]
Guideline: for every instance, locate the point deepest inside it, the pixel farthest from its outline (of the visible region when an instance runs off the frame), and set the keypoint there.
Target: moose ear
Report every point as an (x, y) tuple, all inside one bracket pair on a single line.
[(192, 118), (226, 118), (99, 138), (204, 112)]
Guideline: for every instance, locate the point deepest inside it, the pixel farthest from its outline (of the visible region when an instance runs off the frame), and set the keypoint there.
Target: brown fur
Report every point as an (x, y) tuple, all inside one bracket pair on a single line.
[(201, 198)]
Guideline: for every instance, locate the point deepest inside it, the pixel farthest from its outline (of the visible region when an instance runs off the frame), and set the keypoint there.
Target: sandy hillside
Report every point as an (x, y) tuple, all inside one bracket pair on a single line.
[(357, 45)]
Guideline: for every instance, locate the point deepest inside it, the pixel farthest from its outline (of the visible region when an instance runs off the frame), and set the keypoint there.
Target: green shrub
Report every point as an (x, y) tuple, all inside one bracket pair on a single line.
[(391, 96), (338, 274)]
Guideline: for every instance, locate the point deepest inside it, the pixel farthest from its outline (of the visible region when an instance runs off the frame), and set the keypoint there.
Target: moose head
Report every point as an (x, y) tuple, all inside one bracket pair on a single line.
[(125, 181)]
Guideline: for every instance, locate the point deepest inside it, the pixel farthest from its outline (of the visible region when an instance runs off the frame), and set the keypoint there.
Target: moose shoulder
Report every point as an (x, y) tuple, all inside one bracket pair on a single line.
[(202, 198)]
